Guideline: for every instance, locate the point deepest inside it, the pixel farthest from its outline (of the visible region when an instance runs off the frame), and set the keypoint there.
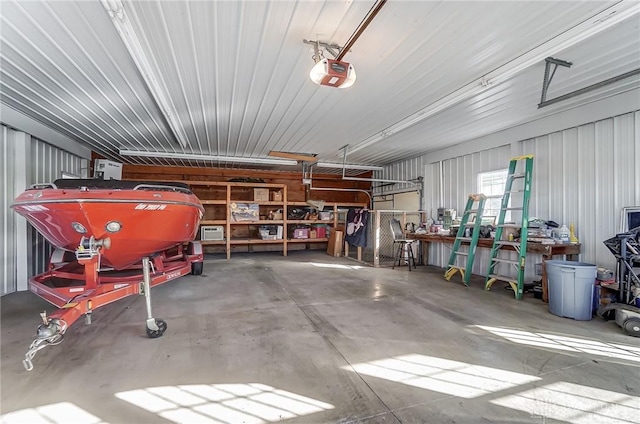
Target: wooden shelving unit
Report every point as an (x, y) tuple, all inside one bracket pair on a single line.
[(218, 198)]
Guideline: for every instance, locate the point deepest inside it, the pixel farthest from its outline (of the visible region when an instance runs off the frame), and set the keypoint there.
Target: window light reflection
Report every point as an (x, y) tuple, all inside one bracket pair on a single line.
[(55, 413), (223, 403), (566, 343), (575, 404), (443, 375)]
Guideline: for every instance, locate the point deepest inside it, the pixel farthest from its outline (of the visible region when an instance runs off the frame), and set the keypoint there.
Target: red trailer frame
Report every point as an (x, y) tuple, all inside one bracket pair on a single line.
[(78, 286)]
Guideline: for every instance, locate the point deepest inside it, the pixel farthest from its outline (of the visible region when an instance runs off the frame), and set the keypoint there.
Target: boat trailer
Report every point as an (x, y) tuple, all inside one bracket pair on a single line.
[(77, 285)]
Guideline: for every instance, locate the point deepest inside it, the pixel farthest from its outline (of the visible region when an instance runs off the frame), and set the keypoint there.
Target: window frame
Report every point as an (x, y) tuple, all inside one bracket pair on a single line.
[(494, 200)]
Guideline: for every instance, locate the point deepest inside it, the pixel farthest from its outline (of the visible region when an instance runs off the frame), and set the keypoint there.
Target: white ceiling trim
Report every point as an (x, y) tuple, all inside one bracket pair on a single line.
[(122, 23), (211, 158)]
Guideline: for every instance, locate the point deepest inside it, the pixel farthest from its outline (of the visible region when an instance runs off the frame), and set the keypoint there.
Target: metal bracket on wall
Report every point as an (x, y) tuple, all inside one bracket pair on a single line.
[(590, 88), (546, 82), (549, 73)]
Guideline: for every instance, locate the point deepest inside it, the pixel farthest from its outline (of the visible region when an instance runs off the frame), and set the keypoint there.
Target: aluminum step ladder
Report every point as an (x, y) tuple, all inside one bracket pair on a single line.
[(474, 208), (517, 282)]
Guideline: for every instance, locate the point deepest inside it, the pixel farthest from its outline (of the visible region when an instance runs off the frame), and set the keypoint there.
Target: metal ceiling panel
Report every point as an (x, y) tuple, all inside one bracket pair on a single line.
[(235, 73), (515, 102), (63, 64)]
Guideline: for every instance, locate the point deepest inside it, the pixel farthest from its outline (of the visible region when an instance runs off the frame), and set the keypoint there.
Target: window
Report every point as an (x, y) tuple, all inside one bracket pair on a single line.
[(491, 184)]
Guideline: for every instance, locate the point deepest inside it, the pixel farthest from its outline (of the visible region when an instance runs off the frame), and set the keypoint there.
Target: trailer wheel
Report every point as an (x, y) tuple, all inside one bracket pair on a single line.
[(197, 268), (632, 327), (162, 327)]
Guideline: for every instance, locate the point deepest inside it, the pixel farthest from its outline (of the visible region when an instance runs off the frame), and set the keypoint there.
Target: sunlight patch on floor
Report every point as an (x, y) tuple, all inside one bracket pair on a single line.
[(223, 403), (335, 266), (575, 404), (55, 413), (566, 343), (442, 375)]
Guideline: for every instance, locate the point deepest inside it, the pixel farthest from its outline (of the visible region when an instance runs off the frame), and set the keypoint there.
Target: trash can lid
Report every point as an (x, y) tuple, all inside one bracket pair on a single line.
[(572, 264)]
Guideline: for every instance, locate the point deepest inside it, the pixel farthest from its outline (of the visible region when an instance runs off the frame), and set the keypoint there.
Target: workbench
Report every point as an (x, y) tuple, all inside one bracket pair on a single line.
[(548, 251)]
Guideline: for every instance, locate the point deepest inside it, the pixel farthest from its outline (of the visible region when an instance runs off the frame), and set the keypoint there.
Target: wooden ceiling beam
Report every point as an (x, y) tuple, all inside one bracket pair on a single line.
[(295, 156)]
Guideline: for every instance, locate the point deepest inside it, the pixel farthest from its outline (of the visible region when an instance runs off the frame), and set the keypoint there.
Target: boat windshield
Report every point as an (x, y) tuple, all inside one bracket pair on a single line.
[(69, 183)]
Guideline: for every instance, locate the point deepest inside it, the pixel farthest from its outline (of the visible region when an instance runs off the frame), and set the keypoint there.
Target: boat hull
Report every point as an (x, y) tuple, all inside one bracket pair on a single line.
[(149, 220)]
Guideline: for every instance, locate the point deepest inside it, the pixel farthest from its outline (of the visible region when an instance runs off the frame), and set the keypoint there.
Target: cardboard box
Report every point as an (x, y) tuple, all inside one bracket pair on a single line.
[(241, 212), (334, 248), (510, 231), (260, 194), (276, 196), (301, 233), (313, 234)]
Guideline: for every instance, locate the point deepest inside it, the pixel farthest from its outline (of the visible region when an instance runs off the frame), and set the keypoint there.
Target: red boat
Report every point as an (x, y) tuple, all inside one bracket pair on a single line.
[(140, 219), (110, 236)]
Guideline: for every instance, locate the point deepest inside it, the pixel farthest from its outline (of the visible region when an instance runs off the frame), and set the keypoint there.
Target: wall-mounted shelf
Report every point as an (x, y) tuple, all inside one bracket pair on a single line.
[(255, 241), (218, 197), (261, 222), (309, 240), (213, 222), (213, 242), (214, 202), (310, 221)]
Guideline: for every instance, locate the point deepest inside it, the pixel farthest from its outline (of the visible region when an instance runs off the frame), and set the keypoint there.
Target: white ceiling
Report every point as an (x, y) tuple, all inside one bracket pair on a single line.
[(235, 73)]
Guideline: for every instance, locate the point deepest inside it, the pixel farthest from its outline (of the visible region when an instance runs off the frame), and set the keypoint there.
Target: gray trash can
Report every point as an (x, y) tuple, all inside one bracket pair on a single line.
[(571, 288)]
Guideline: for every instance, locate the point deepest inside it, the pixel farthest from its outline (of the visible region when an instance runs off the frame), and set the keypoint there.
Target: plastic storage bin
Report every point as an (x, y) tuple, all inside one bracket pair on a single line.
[(571, 288)]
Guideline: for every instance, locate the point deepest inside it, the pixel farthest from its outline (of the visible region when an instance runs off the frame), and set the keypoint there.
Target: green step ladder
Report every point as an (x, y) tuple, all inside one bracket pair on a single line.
[(474, 207), (517, 282)]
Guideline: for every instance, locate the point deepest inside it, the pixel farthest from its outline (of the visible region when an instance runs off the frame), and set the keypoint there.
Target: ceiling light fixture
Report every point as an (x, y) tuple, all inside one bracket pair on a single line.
[(348, 166), (241, 159), (209, 158), (586, 29)]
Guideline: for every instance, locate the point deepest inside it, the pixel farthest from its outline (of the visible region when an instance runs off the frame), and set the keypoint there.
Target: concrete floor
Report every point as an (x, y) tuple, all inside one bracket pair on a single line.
[(315, 339)]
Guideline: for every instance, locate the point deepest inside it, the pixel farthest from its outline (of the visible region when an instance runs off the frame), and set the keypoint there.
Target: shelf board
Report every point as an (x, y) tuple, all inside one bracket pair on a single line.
[(214, 202), (309, 221), (256, 185), (204, 183), (261, 222), (263, 202), (355, 205), (213, 222), (309, 240), (256, 241), (330, 204), (213, 242), (306, 204)]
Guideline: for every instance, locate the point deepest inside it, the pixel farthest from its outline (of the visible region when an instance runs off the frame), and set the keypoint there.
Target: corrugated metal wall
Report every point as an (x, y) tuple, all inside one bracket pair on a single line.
[(26, 160), (458, 179), (585, 174), (406, 170)]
